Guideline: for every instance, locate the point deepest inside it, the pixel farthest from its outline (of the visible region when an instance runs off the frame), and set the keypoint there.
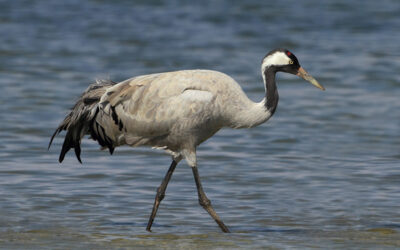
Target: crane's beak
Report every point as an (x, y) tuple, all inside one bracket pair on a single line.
[(303, 74)]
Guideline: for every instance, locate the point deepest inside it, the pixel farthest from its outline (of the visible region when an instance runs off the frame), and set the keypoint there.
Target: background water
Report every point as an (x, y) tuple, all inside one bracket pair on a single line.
[(323, 172)]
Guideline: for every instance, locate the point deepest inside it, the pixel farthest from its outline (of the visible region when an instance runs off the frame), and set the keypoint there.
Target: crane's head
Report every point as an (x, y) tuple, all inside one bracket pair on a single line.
[(285, 61)]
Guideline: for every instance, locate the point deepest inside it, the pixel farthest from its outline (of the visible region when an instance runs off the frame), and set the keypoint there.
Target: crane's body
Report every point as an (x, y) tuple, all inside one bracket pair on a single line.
[(174, 111)]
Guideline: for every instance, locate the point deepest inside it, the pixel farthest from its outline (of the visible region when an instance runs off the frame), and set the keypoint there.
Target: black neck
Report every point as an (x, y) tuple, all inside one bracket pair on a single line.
[(271, 91)]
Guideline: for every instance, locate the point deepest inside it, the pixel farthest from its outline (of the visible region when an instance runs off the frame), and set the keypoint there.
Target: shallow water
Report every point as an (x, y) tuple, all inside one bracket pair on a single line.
[(323, 172)]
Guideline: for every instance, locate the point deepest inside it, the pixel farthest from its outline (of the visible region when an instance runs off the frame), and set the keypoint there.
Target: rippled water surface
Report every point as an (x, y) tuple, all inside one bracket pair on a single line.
[(323, 172)]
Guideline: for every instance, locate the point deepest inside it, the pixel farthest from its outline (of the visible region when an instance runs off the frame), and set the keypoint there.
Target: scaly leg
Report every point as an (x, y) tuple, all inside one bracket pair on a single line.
[(160, 194), (206, 203)]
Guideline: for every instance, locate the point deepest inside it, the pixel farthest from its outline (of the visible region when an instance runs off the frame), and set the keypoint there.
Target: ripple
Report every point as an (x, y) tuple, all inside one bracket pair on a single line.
[(323, 172)]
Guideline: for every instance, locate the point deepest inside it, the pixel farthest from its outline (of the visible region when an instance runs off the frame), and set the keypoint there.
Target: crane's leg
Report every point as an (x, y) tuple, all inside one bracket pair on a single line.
[(160, 194), (205, 202)]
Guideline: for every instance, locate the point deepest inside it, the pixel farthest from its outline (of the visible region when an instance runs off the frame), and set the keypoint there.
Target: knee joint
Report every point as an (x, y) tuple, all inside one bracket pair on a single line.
[(204, 202), (160, 194)]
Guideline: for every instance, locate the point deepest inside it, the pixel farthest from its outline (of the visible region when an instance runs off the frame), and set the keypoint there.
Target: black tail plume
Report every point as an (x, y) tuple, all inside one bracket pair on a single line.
[(81, 118)]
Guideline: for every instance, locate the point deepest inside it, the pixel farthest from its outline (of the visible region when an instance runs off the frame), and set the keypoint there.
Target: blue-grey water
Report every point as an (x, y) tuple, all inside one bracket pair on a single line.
[(323, 172)]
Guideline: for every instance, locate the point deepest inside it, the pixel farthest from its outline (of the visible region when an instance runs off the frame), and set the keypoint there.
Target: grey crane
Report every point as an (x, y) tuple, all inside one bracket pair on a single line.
[(173, 111)]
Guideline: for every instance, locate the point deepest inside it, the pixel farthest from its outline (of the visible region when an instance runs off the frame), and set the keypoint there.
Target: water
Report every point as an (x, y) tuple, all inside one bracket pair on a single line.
[(323, 172)]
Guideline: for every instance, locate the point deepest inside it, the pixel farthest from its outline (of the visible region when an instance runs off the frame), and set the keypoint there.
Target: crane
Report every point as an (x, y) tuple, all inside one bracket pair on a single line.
[(174, 111)]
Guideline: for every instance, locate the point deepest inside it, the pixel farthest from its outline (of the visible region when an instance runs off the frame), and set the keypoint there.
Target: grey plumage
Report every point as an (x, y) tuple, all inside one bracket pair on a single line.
[(174, 111)]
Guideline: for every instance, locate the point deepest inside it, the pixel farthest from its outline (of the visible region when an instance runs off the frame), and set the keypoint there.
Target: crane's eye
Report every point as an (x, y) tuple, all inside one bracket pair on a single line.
[(290, 62)]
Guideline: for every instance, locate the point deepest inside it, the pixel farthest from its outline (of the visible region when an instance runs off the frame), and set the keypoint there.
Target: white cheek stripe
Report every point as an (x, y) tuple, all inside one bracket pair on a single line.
[(278, 58)]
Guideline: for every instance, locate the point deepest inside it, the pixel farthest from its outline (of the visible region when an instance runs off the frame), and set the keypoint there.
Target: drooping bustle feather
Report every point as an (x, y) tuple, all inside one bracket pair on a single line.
[(81, 120)]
